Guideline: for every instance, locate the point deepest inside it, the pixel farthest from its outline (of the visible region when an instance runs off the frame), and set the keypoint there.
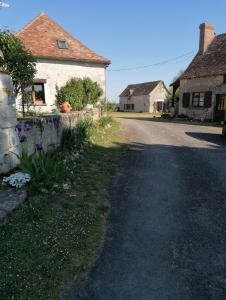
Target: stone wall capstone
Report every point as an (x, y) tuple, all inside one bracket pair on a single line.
[(9, 141)]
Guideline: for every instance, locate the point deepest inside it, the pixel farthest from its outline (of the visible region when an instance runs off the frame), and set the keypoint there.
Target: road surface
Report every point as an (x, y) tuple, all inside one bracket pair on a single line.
[(166, 235)]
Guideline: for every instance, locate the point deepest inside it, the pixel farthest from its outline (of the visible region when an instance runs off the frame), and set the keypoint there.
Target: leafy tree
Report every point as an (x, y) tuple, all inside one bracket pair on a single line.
[(79, 92), (18, 63)]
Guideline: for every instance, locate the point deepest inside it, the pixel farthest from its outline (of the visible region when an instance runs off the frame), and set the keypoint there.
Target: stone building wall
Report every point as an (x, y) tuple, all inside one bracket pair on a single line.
[(141, 103), (146, 103), (203, 84)]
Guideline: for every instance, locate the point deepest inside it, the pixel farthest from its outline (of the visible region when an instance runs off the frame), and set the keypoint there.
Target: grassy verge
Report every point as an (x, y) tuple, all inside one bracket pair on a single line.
[(52, 237)]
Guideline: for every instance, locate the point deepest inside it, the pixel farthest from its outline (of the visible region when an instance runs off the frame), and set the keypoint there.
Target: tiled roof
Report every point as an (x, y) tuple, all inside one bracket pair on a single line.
[(40, 37), (140, 89), (211, 63)]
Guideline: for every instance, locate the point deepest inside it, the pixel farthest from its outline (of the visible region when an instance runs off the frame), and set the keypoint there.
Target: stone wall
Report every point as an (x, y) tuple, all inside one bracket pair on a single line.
[(205, 84), (9, 142), (45, 131)]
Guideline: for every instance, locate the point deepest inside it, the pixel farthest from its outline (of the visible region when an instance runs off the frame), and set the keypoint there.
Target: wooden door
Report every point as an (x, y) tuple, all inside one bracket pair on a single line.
[(220, 107)]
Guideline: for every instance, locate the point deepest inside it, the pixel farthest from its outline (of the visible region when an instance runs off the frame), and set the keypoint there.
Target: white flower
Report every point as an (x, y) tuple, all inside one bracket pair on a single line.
[(66, 186), (18, 179)]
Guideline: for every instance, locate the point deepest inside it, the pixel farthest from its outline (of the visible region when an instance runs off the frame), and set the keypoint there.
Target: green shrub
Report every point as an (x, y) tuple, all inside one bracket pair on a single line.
[(79, 92), (110, 106), (74, 138), (105, 121), (45, 168)]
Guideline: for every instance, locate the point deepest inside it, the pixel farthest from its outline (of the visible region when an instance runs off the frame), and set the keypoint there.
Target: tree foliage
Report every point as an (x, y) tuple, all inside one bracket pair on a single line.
[(17, 62), (79, 92)]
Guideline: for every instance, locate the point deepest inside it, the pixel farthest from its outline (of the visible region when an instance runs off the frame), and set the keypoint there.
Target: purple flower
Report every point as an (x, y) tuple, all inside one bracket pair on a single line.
[(23, 139), (38, 147), (27, 126), (18, 127)]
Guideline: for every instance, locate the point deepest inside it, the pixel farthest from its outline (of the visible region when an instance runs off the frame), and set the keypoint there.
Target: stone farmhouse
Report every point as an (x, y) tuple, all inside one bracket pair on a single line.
[(144, 97), (203, 84), (59, 57)]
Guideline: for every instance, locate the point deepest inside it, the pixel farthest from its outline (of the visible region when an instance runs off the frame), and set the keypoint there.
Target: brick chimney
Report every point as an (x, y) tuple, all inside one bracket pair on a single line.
[(207, 35)]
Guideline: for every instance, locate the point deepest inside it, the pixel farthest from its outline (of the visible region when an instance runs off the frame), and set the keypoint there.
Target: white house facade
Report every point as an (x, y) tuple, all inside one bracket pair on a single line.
[(59, 57), (144, 97)]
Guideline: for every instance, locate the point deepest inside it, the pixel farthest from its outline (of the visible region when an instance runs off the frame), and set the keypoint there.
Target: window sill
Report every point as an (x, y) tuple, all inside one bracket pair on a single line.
[(37, 104), (198, 107)]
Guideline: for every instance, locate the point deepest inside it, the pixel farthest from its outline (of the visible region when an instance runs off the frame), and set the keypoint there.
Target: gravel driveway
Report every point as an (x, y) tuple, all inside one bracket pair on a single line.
[(166, 236)]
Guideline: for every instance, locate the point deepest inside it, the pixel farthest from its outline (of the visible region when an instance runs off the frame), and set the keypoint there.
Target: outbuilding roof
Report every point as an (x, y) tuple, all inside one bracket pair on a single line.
[(42, 37), (141, 89), (211, 63)]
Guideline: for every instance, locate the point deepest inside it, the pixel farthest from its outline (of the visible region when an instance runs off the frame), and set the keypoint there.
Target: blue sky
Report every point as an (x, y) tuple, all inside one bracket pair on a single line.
[(129, 33)]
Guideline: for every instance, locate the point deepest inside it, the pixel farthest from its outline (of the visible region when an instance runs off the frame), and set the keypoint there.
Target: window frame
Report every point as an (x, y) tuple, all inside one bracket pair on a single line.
[(196, 98), (129, 106), (62, 41), (32, 93)]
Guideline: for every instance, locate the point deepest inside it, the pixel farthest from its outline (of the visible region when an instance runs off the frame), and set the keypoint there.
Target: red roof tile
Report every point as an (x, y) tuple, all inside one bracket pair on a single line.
[(40, 37)]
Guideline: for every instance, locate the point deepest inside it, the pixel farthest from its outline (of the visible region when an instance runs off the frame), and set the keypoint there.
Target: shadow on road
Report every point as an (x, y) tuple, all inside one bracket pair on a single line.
[(214, 138)]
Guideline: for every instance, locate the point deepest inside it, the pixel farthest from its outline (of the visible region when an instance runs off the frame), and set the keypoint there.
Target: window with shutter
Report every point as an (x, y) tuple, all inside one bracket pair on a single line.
[(208, 99), (186, 100)]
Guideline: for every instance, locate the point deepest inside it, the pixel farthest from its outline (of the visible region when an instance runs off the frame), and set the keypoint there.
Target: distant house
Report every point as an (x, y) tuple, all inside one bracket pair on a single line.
[(144, 97), (59, 57), (203, 84)]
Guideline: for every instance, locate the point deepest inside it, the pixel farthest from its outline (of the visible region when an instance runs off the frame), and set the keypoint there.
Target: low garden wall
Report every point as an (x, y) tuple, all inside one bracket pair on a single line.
[(29, 133), (44, 132)]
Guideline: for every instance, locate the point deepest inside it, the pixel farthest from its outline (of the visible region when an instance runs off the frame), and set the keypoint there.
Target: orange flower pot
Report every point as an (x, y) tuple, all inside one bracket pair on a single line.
[(65, 107)]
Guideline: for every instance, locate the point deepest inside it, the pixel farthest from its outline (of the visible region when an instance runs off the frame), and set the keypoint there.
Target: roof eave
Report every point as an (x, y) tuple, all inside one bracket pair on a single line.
[(104, 62)]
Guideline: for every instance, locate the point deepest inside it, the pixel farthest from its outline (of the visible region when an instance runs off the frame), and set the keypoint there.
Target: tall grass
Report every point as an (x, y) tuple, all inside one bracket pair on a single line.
[(45, 168), (75, 138)]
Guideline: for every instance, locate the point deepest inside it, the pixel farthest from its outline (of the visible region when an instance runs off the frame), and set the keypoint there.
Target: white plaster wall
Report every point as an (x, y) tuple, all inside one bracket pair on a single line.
[(59, 72), (141, 103), (204, 84), (145, 103), (159, 94)]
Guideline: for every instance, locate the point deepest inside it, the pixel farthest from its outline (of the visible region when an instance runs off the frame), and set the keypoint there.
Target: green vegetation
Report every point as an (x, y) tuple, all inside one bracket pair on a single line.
[(51, 239), (75, 138), (110, 106), (45, 169), (18, 63), (105, 121), (79, 92)]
